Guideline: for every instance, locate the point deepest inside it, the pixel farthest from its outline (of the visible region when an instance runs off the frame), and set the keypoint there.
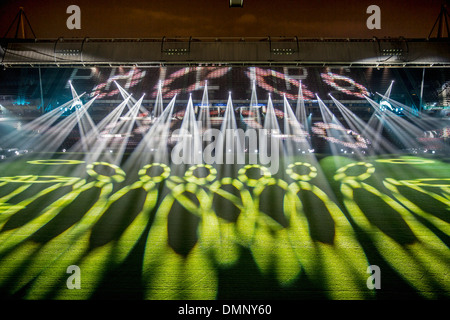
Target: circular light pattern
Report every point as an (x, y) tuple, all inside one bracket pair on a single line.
[(242, 175), (240, 200), (260, 78), (191, 79), (321, 128), (331, 78), (304, 177), (178, 193), (146, 178), (53, 162), (133, 77), (189, 175), (226, 181), (406, 161), (341, 174), (185, 74), (217, 239), (118, 176)]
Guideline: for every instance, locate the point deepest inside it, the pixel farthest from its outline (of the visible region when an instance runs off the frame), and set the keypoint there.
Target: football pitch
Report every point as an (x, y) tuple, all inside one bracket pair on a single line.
[(323, 227)]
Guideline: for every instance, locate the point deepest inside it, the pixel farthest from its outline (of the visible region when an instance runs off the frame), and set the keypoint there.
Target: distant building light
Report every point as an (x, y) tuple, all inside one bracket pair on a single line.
[(236, 3)]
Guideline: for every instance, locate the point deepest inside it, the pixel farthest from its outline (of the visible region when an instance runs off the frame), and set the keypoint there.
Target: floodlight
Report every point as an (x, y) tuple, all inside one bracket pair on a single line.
[(236, 3)]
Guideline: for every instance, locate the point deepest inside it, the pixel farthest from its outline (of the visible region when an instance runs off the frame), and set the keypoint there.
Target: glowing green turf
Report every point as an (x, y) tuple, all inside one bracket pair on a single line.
[(309, 231)]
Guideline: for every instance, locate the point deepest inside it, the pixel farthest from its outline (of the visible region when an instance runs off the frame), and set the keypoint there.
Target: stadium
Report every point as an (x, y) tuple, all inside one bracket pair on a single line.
[(225, 168)]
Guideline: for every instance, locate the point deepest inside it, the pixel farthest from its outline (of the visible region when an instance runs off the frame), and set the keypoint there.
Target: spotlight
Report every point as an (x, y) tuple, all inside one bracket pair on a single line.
[(384, 105), (77, 104)]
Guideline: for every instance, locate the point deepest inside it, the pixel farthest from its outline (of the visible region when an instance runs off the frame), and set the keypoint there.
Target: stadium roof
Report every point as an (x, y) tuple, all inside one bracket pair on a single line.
[(269, 51)]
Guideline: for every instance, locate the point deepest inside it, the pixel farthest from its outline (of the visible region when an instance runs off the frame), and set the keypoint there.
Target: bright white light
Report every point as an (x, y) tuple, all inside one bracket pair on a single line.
[(384, 104), (77, 104)]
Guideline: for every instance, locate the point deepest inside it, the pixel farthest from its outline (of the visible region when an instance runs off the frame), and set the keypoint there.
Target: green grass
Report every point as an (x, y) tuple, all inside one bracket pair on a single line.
[(228, 236)]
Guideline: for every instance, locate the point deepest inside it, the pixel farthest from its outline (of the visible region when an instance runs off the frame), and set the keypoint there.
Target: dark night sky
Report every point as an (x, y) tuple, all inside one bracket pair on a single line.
[(214, 18)]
